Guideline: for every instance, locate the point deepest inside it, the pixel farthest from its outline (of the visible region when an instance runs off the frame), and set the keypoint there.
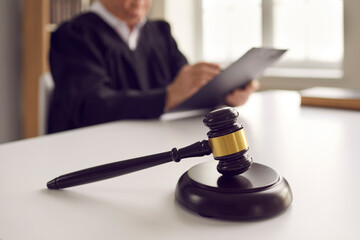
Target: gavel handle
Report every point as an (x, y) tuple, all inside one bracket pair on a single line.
[(115, 169)]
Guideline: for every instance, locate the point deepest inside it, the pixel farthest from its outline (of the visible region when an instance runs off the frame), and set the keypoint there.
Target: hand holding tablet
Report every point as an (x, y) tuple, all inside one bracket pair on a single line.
[(250, 66)]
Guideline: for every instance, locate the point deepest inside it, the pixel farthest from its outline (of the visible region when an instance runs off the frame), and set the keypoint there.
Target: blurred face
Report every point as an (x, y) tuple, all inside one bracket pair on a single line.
[(130, 11)]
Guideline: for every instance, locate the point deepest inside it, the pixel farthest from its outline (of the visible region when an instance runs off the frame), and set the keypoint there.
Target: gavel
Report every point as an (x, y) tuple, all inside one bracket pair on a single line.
[(226, 141)]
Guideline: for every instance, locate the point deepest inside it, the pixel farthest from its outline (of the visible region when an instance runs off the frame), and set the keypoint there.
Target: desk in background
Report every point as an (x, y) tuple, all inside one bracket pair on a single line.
[(317, 150)]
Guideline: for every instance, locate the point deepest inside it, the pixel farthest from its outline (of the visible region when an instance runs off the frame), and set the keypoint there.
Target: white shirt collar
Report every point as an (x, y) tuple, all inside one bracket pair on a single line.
[(130, 38)]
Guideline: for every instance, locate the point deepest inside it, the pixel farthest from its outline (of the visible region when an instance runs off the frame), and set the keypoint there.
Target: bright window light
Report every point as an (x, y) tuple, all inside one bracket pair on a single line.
[(312, 30), (230, 27)]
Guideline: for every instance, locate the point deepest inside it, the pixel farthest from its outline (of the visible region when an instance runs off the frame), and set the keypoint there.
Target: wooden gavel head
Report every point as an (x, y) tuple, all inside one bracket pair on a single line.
[(228, 141)]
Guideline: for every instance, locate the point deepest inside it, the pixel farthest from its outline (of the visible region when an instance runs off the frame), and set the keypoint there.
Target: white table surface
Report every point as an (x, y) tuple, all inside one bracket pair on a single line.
[(317, 150)]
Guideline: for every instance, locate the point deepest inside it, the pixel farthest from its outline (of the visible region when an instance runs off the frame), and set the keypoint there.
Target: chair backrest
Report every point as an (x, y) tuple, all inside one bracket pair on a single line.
[(46, 87)]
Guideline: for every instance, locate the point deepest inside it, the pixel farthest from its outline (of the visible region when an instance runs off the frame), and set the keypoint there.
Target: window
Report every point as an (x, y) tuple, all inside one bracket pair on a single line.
[(230, 27), (312, 30)]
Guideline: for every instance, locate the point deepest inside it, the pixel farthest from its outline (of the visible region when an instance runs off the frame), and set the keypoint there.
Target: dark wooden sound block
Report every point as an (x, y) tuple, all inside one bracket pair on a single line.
[(257, 193)]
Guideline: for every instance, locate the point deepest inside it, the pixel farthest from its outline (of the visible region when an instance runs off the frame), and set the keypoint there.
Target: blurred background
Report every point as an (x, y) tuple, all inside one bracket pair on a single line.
[(322, 38)]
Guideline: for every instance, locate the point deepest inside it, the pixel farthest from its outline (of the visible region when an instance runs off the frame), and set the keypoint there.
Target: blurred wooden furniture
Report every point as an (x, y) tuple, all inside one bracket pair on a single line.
[(40, 17), (35, 45)]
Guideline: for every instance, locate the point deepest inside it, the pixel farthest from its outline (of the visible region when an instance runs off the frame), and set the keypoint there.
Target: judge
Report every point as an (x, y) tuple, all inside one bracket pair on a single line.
[(112, 63)]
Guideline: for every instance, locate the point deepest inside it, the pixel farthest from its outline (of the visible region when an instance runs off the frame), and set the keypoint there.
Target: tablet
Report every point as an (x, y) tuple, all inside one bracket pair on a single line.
[(250, 66)]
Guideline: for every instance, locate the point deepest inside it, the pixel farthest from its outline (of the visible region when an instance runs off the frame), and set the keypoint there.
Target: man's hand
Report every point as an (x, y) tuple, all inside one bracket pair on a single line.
[(240, 96), (188, 81)]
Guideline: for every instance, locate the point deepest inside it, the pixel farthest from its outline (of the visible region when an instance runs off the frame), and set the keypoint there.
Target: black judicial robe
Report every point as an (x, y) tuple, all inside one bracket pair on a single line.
[(99, 79)]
